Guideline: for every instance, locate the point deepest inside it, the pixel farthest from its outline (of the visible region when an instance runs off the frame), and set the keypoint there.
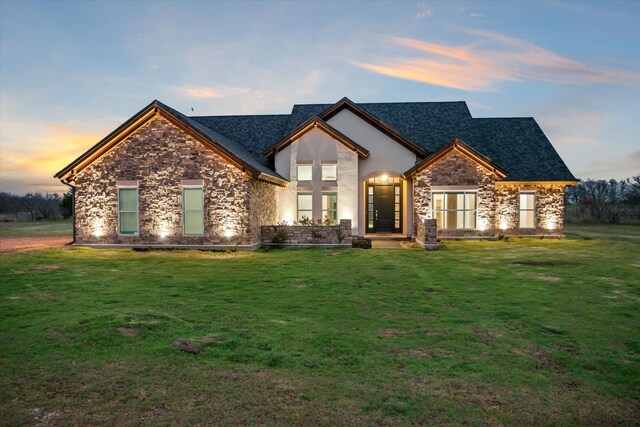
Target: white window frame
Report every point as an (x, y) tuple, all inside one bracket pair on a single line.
[(335, 168), (184, 210), (330, 193), (520, 210), (444, 210), (305, 165), (303, 193), (137, 211)]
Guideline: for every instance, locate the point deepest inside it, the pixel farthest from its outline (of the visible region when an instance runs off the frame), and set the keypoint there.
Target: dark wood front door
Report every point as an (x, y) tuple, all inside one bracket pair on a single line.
[(383, 205)]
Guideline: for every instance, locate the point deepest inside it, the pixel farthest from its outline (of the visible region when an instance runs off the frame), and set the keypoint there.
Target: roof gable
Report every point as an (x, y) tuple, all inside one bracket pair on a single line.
[(462, 148), (317, 122), (228, 149)]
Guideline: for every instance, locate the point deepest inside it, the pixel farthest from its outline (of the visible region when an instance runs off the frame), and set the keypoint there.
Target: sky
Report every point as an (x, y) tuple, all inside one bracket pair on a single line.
[(71, 72)]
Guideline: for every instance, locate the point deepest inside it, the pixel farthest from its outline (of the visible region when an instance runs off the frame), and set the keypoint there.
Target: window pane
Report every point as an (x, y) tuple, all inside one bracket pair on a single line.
[(437, 201), (305, 202), (526, 201), (329, 172), (470, 201), (304, 214), (526, 219), (128, 222), (440, 219), (128, 199), (192, 199), (451, 201), (305, 172), (470, 219), (193, 223)]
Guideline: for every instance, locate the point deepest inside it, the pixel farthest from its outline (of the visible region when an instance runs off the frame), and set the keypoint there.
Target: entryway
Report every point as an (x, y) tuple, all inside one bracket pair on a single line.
[(384, 205)]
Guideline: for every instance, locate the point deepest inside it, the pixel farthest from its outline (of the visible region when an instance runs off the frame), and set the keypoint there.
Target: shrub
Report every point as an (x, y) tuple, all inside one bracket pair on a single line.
[(281, 237), (361, 243)]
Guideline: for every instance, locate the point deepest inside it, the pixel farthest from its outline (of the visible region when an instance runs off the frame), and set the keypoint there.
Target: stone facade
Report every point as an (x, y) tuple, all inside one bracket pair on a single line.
[(549, 211), (309, 235), (498, 204), (160, 157), (456, 169)]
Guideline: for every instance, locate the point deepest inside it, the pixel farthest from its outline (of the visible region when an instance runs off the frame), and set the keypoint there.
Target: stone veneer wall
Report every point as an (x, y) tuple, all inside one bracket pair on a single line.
[(310, 235), (427, 233), (456, 169), (549, 209), (159, 156)]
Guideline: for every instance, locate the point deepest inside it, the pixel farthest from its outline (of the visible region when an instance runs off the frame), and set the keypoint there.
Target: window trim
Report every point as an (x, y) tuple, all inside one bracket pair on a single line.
[(137, 211), (334, 165), (303, 193), (520, 210), (322, 210), (184, 210), (463, 210), (298, 172)]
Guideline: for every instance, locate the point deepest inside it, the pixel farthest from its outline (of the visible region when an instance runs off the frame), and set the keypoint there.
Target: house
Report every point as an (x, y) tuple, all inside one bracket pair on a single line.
[(163, 178)]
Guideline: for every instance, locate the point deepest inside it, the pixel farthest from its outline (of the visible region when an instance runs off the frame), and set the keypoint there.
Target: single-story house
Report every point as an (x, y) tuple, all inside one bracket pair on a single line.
[(164, 178)]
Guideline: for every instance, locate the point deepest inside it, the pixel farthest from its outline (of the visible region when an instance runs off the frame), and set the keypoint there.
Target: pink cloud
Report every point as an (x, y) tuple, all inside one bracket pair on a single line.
[(490, 60)]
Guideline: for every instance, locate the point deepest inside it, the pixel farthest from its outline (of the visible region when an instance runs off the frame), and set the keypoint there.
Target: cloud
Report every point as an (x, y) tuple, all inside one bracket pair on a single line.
[(492, 59), (425, 13), (210, 91)]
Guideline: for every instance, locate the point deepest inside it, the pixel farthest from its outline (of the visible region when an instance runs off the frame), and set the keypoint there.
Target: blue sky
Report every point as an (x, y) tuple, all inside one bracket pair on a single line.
[(70, 72)]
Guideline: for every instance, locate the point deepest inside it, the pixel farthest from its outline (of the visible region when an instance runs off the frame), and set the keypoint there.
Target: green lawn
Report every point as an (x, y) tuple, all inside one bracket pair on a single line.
[(56, 228), (508, 332)]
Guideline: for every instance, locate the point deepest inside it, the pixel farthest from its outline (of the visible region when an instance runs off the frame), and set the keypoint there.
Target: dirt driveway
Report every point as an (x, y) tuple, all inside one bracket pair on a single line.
[(20, 244)]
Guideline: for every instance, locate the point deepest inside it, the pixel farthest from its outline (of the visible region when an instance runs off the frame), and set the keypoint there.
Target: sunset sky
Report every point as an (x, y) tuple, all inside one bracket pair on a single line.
[(71, 72)]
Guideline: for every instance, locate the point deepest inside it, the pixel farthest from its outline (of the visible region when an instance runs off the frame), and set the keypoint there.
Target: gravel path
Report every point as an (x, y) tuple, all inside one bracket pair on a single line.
[(20, 244)]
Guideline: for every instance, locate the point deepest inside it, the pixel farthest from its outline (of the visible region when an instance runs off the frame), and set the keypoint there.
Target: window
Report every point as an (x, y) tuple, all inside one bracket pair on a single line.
[(330, 172), (305, 206), (192, 211), (330, 207), (305, 172), (527, 210), (128, 211), (455, 210)]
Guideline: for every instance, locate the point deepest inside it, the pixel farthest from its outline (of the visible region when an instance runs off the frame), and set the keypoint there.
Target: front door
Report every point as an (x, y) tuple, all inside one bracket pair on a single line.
[(384, 206)]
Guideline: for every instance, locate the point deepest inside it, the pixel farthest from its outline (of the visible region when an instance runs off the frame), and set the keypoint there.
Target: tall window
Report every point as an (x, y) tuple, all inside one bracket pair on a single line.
[(305, 206), (527, 210), (192, 211), (330, 172), (128, 211), (455, 210), (305, 172), (330, 207)]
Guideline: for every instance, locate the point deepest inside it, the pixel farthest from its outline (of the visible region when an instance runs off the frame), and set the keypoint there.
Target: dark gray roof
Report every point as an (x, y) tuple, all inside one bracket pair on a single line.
[(516, 144), (235, 147), (255, 133)]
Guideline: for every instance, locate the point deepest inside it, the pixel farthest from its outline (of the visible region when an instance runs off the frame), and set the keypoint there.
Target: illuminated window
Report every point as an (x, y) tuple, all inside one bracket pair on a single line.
[(527, 210), (305, 172), (305, 206), (192, 211), (330, 207), (128, 211), (455, 211), (330, 172)]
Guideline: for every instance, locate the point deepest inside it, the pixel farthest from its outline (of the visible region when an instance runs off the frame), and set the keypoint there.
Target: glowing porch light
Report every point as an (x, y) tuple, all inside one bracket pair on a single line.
[(503, 224), (550, 224), (228, 233), (384, 177), (164, 230)]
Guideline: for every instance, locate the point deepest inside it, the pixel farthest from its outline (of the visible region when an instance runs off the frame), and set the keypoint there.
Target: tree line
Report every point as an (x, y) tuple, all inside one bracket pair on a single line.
[(36, 206), (604, 201)]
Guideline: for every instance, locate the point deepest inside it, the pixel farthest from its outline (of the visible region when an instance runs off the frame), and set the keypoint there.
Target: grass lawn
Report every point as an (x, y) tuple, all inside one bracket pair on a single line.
[(519, 332), (63, 227)]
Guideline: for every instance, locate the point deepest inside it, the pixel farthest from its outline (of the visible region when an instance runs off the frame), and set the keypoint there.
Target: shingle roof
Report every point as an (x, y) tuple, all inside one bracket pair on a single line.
[(516, 144)]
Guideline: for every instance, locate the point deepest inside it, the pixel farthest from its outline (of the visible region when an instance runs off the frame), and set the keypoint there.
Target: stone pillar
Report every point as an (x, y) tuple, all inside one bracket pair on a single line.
[(345, 231), (426, 234)]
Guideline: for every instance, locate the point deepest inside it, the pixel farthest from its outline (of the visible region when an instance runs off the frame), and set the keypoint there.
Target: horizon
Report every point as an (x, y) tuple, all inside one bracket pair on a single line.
[(71, 72)]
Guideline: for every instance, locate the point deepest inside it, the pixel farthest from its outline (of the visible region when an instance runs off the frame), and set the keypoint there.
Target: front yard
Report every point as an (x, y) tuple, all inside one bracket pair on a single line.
[(507, 332)]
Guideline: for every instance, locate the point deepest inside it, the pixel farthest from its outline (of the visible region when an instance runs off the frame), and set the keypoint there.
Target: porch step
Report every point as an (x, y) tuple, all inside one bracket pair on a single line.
[(387, 236)]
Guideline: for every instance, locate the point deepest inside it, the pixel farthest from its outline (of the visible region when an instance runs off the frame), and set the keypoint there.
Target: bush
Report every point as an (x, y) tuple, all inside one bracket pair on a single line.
[(361, 243), (281, 237)]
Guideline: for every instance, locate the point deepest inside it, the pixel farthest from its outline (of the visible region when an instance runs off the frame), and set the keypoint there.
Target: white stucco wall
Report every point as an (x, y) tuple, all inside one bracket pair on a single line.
[(386, 157), (316, 147)]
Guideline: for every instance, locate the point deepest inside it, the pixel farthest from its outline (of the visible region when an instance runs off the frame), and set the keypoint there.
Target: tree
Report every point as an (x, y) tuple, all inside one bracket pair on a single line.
[(66, 204)]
